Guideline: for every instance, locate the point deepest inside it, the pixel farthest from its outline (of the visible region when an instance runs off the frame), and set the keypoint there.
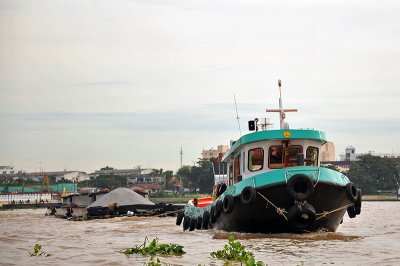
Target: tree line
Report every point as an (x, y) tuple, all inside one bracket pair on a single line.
[(373, 174)]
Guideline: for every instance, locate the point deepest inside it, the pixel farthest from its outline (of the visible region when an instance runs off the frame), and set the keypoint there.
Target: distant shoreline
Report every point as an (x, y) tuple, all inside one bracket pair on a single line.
[(380, 198)]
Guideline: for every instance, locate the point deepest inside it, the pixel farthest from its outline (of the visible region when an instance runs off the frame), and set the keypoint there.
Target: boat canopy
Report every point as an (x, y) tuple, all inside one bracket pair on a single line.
[(281, 134)]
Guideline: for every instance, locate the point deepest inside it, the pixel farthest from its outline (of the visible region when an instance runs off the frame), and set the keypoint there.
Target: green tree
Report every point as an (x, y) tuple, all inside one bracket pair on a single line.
[(184, 173), (168, 176), (373, 173), (332, 167), (198, 176), (106, 168)]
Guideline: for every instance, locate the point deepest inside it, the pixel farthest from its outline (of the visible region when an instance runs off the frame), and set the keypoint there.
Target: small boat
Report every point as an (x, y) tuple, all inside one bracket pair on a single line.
[(275, 184)]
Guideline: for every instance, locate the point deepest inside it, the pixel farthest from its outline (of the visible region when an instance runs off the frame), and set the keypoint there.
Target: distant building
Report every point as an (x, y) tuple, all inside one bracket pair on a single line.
[(351, 155), (75, 176), (6, 169), (328, 152), (137, 177), (214, 153)]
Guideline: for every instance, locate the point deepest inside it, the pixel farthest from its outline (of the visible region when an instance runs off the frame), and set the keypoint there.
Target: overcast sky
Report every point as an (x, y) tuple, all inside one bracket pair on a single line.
[(85, 84)]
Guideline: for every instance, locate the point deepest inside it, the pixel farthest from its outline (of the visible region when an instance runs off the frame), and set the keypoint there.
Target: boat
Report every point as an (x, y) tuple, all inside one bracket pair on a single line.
[(275, 184)]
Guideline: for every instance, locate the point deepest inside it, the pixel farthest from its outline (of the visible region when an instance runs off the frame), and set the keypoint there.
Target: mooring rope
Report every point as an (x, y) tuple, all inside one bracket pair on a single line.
[(325, 213), (280, 211), (166, 213)]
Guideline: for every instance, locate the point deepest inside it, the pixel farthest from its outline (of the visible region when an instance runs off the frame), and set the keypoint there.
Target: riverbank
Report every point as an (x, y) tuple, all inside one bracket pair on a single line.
[(380, 198)]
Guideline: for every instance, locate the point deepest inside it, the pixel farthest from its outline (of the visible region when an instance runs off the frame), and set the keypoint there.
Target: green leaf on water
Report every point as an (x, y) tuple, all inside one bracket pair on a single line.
[(235, 251), (153, 248), (36, 251)]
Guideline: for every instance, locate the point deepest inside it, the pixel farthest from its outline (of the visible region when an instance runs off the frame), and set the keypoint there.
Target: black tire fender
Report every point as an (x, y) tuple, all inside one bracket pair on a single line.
[(351, 211), (199, 222), (206, 220), (300, 187), (302, 217), (351, 192), (218, 208), (192, 224), (358, 202), (228, 204), (213, 218), (248, 195), (179, 217), (186, 223)]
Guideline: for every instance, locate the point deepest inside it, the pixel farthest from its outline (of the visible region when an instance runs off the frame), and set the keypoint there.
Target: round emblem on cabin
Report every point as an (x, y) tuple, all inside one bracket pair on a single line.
[(286, 134)]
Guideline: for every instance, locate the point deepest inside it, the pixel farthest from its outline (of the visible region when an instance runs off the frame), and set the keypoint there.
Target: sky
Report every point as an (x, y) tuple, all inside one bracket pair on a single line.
[(87, 84)]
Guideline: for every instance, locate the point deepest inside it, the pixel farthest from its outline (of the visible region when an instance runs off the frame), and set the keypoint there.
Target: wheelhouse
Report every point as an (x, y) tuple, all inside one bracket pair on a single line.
[(265, 151)]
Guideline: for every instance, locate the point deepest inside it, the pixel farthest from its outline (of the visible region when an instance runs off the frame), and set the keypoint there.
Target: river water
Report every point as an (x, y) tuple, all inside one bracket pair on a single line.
[(371, 238)]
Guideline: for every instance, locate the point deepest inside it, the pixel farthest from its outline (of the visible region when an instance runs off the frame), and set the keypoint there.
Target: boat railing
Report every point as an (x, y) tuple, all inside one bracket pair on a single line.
[(314, 170)]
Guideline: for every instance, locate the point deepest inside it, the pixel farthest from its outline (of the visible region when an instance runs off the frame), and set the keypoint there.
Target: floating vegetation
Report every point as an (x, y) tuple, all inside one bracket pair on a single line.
[(36, 251), (235, 251), (152, 262), (153, 248)]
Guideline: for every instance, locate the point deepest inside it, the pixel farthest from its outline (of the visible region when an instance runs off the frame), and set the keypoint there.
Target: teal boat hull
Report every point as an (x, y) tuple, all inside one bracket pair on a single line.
[(265, 203)]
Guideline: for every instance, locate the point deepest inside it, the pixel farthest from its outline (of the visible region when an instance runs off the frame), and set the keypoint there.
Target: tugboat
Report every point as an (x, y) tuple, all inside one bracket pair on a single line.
[(275, 184)]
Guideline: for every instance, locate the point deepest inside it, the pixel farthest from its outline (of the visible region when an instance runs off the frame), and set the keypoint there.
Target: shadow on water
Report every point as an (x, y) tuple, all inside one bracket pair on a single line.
[(314, 236)]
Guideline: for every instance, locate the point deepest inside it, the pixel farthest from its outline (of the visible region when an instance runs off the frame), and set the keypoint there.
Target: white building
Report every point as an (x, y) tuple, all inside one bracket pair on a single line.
[(351, 155), (214, 153), (75, 176), (6, 169)]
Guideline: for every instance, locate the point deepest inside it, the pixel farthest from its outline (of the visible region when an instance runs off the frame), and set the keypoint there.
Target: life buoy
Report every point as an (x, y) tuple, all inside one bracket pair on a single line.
[(302, 217), (357, 204), (300, 187), (206, 220), (351, 211), (351, 192), (192, 224), (228, 204), (186, 223), (199, 222), (179, 217), (218, 208), (248, 195)]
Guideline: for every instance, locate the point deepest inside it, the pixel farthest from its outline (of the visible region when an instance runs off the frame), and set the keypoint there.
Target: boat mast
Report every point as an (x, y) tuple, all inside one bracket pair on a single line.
[(281, 111)]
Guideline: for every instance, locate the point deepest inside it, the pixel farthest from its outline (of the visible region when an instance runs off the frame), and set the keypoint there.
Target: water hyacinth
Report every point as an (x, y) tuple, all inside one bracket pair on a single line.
[(153, 248), (234, 251)]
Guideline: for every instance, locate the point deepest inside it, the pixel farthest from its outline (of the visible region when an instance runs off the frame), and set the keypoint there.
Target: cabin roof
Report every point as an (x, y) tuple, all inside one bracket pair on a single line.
[(281, 134)]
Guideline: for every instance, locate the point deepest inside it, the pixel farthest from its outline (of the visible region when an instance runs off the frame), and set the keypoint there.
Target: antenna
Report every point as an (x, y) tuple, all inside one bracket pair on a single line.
[(237, 115), (181, 153), (281, 111)]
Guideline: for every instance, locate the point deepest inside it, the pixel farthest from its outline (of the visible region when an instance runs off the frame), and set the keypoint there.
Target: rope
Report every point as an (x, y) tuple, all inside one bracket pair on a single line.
[(325, 213), (278, 210), (166, 213)]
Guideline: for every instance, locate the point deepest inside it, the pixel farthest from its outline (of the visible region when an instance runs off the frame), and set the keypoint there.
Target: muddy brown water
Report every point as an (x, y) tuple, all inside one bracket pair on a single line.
[(371, 238)]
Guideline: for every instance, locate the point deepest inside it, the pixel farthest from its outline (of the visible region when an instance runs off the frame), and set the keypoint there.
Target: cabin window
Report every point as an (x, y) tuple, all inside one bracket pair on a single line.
[(256, 159), (230, 178), (236, 170), (275, 157), (291, 155), (280, 157), (312, 156)]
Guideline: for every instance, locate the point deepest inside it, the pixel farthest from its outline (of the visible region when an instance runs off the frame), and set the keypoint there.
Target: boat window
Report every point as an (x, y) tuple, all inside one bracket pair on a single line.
[(291, 155), (280, 157), (312, 156), (256, 159), (236, 169), (243, 161), (275, 157), (230, 178)]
